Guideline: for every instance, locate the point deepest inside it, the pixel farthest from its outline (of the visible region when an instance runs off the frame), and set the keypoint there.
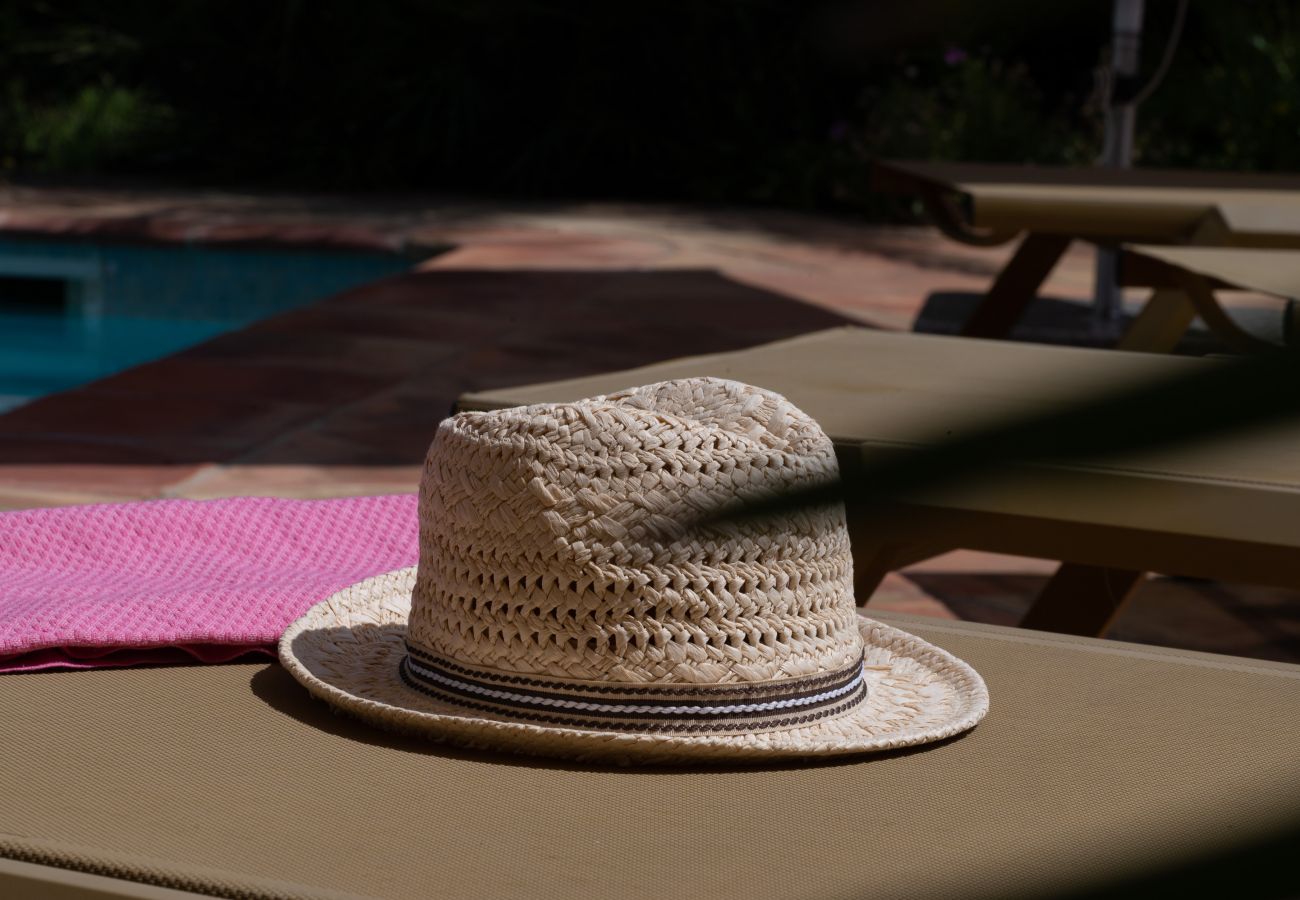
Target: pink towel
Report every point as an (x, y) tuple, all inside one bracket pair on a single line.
[(179, 580)]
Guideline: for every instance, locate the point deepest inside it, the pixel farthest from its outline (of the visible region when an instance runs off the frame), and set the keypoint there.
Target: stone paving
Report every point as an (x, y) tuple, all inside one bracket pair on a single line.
[(341, 398)]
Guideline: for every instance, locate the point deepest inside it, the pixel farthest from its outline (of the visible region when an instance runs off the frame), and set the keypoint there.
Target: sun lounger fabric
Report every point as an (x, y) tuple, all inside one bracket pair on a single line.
[(1099, 761), (182, 580)]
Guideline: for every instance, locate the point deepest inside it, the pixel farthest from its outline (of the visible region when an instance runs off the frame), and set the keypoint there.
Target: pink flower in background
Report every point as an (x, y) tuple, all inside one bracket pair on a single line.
[(955, 56)]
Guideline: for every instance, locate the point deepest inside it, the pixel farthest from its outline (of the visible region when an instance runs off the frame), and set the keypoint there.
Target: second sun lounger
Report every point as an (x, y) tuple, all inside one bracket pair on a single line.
[(1054, 205), (1226, 510), (1186, 280)]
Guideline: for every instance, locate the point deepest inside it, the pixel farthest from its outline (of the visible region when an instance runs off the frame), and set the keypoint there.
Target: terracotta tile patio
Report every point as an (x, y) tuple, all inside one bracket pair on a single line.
[(341, 397)]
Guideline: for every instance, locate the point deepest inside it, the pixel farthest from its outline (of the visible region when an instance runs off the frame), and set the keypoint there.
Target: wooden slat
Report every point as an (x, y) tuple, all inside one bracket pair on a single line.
[(1161, 324), (1156, 205), (1275, 272), (1016, 286)]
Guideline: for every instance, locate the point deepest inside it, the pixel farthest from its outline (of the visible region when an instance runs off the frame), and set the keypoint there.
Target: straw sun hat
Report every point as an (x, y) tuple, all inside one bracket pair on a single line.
[(560, 607)]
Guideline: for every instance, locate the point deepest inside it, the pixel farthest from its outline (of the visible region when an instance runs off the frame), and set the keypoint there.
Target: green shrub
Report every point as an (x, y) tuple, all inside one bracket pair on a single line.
[(977, 109), (102, 127), (1232, 99)]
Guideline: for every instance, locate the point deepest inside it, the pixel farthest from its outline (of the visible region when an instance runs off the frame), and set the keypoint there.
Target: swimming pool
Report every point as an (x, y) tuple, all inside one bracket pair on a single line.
[(71, 313)]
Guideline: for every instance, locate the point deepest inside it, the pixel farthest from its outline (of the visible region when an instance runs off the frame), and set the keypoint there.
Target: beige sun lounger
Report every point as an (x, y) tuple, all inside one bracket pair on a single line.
[(1052, 206), (1186, 280), (1229, 510), (1098, 763)]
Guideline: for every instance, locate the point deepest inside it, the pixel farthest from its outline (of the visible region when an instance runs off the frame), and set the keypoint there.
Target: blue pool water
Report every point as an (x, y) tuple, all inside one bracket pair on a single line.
[(75, 312)]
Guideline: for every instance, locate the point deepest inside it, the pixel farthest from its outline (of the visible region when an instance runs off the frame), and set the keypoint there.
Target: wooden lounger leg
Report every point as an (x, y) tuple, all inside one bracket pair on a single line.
[(872, 562), (1201, 294), (1081, 599), (873, 553), (884, 542), (1161, 324), (870, 566), (1015, 286)]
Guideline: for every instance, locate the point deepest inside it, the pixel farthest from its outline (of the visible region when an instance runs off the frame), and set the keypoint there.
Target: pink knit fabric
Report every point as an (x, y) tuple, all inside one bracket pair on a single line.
[(179, 580)]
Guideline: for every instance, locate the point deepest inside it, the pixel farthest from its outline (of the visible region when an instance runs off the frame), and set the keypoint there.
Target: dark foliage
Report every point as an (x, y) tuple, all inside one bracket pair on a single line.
[(734, 100)]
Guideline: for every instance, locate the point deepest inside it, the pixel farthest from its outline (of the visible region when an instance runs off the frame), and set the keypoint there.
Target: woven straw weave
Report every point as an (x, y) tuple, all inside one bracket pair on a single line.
[(547, 541), (555, 558)]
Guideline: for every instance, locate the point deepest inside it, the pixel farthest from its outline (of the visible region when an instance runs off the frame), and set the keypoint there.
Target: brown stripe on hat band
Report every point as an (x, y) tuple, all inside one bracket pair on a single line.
[(677, 708)]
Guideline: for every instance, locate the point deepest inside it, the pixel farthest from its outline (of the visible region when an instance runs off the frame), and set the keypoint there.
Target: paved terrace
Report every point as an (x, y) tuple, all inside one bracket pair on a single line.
[(342, 397)]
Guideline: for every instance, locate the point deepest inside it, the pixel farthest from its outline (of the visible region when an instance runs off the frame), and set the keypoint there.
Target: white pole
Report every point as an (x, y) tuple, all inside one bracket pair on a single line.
[(1121, 119)]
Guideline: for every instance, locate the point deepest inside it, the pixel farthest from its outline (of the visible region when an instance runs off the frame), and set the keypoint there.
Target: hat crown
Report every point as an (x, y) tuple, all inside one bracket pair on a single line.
[(551, 541)]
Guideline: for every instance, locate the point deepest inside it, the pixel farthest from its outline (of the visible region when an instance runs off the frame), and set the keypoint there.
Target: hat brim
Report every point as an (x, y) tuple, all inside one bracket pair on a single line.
[(346, 649)]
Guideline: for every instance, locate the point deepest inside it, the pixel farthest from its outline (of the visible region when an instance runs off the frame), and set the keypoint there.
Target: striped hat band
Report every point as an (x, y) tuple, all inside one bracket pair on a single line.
[(680, 708)]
